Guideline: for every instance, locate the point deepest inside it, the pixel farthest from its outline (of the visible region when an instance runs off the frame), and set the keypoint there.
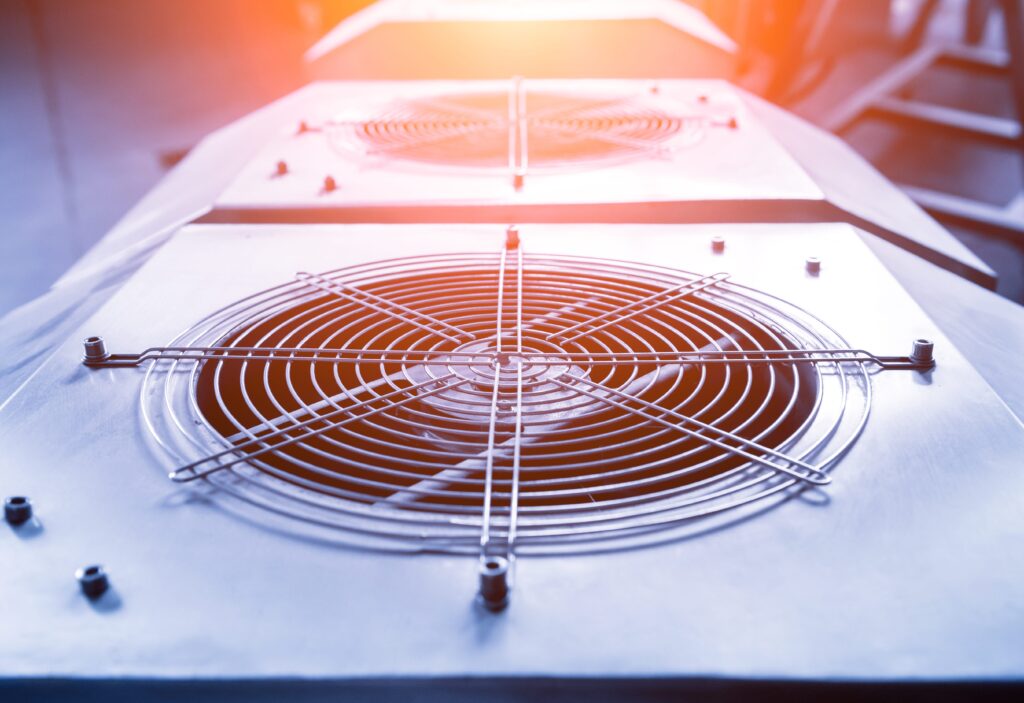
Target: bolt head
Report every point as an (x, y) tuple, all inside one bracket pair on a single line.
[(95, 349), (330, 185), (282, 168), (923, 351), (17, 510), (813, 265), (494, 587), (718, 244), (512, 238), (93, 581)]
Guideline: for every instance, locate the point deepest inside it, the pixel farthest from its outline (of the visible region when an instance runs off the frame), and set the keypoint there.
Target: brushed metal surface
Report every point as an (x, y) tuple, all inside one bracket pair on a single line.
[(726, 164), (867, 199), (774, 167), (908, 566)]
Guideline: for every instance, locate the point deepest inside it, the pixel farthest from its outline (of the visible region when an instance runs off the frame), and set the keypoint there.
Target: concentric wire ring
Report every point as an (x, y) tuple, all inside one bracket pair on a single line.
[(471, 130), (405, 465)]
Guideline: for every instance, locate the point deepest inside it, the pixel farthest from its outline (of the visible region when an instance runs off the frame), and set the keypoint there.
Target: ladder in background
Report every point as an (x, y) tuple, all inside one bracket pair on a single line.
[(882, 99)]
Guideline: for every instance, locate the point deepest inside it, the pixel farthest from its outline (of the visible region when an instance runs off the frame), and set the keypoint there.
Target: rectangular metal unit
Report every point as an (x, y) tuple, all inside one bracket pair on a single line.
[(530, 145), (907, 566)]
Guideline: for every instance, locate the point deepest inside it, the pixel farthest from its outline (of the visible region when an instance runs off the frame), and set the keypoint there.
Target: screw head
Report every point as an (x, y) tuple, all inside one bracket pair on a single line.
[(718, 244), (303, 127), (93, 580), (17, 510), (813, 265), (330, 185), (281, 168), (517, 180)]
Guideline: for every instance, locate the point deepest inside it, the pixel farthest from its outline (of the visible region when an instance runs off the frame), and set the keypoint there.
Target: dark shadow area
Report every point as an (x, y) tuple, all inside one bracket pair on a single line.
[(506, 690)]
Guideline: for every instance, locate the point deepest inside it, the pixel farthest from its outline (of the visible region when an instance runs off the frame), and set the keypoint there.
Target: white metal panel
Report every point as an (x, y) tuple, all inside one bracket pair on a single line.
[(741, 164), (908, 566)]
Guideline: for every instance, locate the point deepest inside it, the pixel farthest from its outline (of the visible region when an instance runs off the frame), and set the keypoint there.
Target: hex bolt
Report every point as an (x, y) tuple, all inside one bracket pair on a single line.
[(282, 168), (330, 185), (923, 352), (494, 589), (95, 350), (93, 580), (512, 238), (718, 244), (813, 265), (17, 510)]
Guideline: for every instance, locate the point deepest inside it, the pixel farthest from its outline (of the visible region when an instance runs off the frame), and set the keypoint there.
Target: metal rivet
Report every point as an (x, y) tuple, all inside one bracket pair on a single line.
[(494, 589), (95, 349), (282, 168), (923, 351), (718, 244), (17, 510), (93, 580), (330, 184), (813, 265)]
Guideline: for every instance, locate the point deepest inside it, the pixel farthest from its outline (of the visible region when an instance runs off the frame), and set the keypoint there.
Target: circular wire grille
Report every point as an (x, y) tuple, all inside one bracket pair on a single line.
[(472, 130), (592, 467)]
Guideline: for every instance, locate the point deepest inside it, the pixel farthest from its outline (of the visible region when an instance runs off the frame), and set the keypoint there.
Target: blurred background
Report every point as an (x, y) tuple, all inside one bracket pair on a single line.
[(100, 97)]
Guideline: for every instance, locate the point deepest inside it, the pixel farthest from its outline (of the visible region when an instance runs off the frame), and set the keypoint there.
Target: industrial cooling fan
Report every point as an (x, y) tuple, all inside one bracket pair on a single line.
[(522, 130), (372, 428), (506, 403)]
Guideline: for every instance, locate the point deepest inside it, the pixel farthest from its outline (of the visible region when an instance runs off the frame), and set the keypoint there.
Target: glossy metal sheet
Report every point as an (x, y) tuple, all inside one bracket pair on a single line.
[(908, 566)]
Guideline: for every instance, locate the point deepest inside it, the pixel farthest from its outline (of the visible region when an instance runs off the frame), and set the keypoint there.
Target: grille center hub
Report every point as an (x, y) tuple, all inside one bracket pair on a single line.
[(539, 366)]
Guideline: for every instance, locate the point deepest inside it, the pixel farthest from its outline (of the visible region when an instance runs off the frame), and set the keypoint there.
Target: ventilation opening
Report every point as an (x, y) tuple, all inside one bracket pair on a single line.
[(473, 129), (578, 450)]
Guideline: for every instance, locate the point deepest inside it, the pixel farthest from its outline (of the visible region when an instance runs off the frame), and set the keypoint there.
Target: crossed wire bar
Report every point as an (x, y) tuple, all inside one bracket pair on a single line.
[(486, 531), (470, 120), (267, 437), (460, 359)]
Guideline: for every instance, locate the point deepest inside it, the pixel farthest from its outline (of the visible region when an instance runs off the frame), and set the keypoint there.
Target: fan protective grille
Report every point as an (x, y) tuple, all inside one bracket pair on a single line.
[(477, 130), (601, 454)]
